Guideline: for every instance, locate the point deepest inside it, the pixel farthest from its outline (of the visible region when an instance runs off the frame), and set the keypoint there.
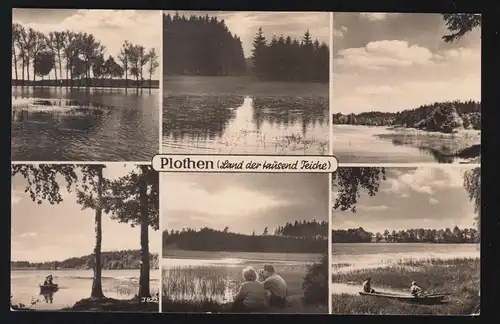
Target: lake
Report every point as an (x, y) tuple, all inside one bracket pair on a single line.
[(348, 257), (377, 144), (75, 285), (59, 124), (244, 124), (216, 276)]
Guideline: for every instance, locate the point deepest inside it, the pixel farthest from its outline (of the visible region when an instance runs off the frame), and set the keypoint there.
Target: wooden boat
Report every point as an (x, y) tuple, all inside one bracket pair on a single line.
[(425, 299), (49, 288)]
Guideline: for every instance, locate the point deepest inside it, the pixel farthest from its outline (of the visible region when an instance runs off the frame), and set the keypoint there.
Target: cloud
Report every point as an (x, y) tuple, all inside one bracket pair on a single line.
[(425, 180), (377, 208), (28, 235), (403, 195), (16, 196), (433, 201), (376, 16)]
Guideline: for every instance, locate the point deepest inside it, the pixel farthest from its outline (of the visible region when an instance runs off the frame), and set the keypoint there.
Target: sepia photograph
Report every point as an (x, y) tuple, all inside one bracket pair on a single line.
[(246, 82), (252, 243), (85, 238), (85, 85), (407, 88), (406, 241)]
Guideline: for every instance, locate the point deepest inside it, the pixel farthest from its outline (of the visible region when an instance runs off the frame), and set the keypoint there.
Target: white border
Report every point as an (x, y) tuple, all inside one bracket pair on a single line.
[(330, 176), (160, 139)]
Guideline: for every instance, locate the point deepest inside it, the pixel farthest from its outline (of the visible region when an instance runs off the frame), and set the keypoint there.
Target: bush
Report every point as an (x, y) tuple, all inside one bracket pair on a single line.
[(315, 283), (443, 119)]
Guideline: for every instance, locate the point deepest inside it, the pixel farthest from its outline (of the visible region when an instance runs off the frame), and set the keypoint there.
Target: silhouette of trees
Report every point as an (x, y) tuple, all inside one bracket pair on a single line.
[(81, 54), (111, 260), (287, 59), (297, 237), (460, 24), (444, 117), (200, 45), (418, 235)]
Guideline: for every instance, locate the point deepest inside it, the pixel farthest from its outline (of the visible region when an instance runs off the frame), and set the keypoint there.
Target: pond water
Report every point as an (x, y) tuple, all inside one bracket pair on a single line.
[(59, 124), (377, 144), (245, 125), (75, 285), (348, 257)]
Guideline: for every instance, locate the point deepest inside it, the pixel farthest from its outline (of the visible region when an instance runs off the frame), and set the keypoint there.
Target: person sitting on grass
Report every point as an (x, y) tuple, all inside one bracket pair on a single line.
[(367, 286), (415, 290), (276, 286), (251, 296)]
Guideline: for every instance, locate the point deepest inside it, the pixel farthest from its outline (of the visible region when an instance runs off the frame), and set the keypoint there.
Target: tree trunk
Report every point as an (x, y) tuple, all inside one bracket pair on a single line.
[(60, 68), (150, 76), (126, 77), (23, 64), (28, 69), (15, 62), (143, 201), (96, 283)]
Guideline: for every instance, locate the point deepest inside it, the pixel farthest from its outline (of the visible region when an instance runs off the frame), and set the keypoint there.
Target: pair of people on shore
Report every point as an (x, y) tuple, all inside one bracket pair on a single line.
[(415, 290), (258, 292)]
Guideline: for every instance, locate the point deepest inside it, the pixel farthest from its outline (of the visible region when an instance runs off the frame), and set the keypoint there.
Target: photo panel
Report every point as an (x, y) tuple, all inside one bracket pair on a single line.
[(406, 241), (246, 82), (85, 85), (245, 243), (85, 237), (406, 88)]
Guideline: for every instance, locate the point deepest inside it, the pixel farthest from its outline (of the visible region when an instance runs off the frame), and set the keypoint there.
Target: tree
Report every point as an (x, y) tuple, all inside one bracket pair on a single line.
[(143, 59), (124, 58), (37, 44), (91, 197), (153, 64), (265, 231), (134, 200), (70, 52), (350, 181), (22, 45), (44, 63), (472, 184), (16, 37), (460, 24), (99, 68)]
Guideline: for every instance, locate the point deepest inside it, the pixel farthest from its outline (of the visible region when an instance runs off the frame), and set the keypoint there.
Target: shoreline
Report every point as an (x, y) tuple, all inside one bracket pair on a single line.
[(460, 280)]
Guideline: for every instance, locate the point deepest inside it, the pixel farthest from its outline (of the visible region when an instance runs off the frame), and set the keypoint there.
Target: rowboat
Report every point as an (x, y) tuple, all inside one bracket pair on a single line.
[(49, 288), (425, 299)]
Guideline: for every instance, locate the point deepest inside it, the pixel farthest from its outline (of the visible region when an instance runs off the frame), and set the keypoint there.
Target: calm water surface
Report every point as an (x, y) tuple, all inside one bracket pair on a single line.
[(75, 285), (58, 124), (362, 144), (245, 125), (357, 256)]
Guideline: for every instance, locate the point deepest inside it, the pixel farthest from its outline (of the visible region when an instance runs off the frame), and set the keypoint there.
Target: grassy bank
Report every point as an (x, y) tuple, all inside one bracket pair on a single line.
[(242, 85), (92, 83), (458, 277), (443, 146)]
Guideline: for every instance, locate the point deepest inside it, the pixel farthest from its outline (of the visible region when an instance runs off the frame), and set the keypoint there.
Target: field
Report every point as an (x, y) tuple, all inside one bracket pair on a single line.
[(211, 288), (458, 277)]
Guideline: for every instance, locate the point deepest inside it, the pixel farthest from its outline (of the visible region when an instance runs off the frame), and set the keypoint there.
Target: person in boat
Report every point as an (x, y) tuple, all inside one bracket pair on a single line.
[(367, 286), (49, 280), (276, 286), (415, 290), (251, 296)]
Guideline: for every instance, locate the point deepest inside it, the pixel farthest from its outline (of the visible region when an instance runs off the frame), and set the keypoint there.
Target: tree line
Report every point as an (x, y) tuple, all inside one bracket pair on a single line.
[(76, 56), (439, 116), (132, 198), (207, 239), (416, 235), (125, 259), (200, 45), (288, 59)]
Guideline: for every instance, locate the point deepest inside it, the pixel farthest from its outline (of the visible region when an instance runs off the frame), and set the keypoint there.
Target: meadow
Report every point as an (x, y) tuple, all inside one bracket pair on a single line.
[(458, 277), (210, 288)]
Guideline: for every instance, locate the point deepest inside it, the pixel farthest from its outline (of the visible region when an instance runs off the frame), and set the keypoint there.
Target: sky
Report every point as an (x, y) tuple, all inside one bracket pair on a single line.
[(391, 62), (110, 27), (56, 232), (243, 202), (412, 198), (245, 24)]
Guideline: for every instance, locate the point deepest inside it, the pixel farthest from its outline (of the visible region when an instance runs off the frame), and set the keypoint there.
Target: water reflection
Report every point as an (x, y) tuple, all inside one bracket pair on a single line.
[(48, 297), (237, 124), (54, 124)]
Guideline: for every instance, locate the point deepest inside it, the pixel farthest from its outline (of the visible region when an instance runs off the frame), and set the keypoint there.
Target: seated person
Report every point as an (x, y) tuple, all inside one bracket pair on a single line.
[(367, 286), (415, 290), (251, 296), (276, 285), (48, 280)]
